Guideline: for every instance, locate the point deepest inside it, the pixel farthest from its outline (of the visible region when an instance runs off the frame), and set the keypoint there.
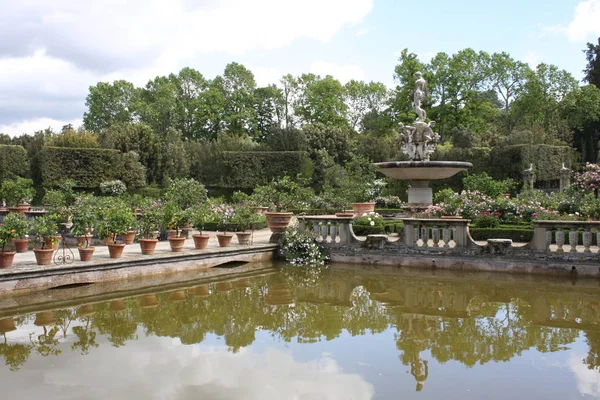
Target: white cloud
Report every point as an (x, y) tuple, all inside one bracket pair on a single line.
[(51, 52), (588, 381), (38, 124), (586, 22), (362, 32), (161, 368), (532, 59), (265, 76), (342, 72)]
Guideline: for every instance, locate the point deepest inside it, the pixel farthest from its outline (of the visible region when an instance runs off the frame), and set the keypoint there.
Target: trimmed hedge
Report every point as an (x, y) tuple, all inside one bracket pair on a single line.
[(516, 234), (88, 167), (13, 162), (249, 169), (389, 226)]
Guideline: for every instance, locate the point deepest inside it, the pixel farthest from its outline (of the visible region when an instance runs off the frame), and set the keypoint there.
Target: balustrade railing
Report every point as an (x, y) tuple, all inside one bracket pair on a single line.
[(436, 233), (552, 236), (329, 228)]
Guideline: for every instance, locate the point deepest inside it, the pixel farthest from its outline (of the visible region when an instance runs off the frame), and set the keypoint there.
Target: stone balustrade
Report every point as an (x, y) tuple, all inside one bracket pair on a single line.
[(436, 233), (552, 236), (329, 228)]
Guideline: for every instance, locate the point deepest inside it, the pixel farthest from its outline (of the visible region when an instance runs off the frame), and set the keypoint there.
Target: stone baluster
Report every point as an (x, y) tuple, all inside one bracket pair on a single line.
[(587, 240), (425, 235), (344, 232), (573, 239), (598, 239), (435, 235), (446, 235), (548, 239), (333, 232), (416, 234), (560, 240)]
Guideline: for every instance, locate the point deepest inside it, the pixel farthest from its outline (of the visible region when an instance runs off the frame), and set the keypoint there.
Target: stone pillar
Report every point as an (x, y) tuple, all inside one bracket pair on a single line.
[(565, 178), (420, 193), (528, 177)]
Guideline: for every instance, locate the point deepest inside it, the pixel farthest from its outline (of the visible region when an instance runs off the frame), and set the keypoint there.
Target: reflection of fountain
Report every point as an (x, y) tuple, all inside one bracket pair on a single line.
[(418, 142)]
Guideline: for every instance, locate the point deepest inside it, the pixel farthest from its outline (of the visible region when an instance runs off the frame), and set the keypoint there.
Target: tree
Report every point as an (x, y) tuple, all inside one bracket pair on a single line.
[(237, 86), (322, 100), (189, 88), (581, 108), (110, 104), (404, 75), (363, 98), (268, 109), (157, 106), (592, 69)]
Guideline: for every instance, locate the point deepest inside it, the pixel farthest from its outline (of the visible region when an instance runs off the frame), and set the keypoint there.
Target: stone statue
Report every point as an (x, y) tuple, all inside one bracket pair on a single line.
[(565, 178), (529, 177), (419, 97)]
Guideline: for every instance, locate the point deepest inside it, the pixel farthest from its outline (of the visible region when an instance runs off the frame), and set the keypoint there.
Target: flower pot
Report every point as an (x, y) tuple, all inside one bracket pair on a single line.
[(86, 310), (83, 239), (108, 240), (43, 256), (21, 245), (278, 221), (7, 325), (200, 240), (172, 233), (244, 237), (117, 305), (21, 208), (44, 318), (115, 250), (260, 210), (176, 244), (53, 242), (129, 237), (86, 253), (148, 245), (363, 208), (242, 283), (6, 259), (224, 239), (199, 291), (148, 301), (177, 296)]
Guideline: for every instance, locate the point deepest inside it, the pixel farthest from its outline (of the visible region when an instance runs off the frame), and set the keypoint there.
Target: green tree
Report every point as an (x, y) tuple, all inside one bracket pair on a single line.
[(268, 106), (322, 100), (157, 104), (581, 108), (190, 85), (363, 99), (237, 86), (109, 104), (592, 69)]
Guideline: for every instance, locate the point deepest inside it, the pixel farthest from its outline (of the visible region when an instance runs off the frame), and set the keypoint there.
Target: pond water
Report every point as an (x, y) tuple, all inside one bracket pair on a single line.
[(341, 333)]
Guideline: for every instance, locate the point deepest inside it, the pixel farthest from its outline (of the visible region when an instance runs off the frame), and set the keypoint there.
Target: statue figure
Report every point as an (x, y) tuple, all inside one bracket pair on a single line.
[(419, 97), (529, 177)]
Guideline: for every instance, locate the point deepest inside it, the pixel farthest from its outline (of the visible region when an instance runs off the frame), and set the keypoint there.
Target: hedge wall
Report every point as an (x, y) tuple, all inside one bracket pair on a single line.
[(517, 235), (256, 168), (13, 162), (88, 167)]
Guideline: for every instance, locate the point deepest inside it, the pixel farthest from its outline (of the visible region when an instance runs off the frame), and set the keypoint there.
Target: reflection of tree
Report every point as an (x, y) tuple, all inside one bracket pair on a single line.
[(47, 343), (15, 354), (593, 357), (86, 337)]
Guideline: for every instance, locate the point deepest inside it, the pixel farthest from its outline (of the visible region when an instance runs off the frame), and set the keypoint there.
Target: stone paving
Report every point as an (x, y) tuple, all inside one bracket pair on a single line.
[(25, 262)]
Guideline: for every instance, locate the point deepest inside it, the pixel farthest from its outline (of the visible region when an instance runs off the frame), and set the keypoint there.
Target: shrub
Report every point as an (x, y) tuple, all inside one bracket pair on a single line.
[(186, 193), (44, 228), (487, 185), (13, 162), (487, 220), (113, 188), (283, 194), (13, 227), (151, 218), (19, 190), (302, 248)]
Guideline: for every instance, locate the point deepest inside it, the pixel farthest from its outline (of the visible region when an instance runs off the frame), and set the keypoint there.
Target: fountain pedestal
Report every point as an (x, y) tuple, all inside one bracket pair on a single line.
[(420, 193)]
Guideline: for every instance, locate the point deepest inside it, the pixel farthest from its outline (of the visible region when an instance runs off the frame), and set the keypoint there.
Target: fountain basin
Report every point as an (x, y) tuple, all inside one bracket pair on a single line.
[(422, 170)]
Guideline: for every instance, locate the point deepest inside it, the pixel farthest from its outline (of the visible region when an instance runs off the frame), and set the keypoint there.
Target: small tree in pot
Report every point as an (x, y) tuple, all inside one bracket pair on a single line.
[(117, 219), (84, 220), (149, 224), (8, 231), (44, 229), (199, 216), (17, 194), (244, 219), (20, 226), (173, 219)]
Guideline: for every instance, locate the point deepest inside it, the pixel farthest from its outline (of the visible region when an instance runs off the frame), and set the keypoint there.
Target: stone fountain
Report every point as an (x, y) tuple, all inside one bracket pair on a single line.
[(418, 142)]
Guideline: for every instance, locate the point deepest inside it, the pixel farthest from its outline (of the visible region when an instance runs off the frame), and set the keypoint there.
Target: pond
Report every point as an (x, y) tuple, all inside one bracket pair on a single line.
[(346, 332)]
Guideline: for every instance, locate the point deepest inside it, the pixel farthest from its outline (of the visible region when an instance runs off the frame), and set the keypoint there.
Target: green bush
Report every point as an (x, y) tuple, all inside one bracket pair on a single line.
[(13, 162), (88, 167), (387, 226), (515, 234)]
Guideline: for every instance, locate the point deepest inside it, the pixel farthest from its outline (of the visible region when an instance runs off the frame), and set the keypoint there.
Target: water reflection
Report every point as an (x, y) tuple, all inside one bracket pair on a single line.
[(440, 318)]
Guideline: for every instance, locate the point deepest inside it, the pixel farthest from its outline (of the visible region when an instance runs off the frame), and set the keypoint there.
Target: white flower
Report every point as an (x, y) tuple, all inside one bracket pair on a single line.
[(372, 223)]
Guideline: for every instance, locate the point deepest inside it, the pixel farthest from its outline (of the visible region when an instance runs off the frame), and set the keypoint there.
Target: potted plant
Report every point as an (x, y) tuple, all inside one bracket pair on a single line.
[(44, 229), (199, 216), (173, 219), (8, 231), (117, 220), (149, 224), (19, 224), (84, 219), (17, 194), (224, 213), (244, 219)]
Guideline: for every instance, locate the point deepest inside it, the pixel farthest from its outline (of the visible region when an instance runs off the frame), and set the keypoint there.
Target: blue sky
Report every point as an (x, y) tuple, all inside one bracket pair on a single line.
[(55, 50)]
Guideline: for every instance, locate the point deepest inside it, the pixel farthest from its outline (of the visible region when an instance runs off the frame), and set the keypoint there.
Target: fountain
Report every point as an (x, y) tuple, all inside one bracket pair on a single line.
[(418, 142)]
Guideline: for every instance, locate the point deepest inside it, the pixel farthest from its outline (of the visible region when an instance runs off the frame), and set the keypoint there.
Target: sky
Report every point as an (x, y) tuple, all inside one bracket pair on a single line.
[(51, 52)]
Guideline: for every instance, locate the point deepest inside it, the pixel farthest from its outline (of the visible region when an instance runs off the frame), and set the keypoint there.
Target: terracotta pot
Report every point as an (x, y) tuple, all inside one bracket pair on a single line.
[(115, 250), (172, 233), (108, 240), (129, 237), (6, 259), (177, 296), (53, 242), (86, 310), (148, 245), (199, 291), (44, 318), (278, 221), (363, 208), (43, 256), (21, 209), (176, 244), (21, 245), (117, 305), (7, 325), (224, 239), (244, 238), (81, 240), (260, 210), (224, 287), (86, 253), (148, 301), (200, 240)]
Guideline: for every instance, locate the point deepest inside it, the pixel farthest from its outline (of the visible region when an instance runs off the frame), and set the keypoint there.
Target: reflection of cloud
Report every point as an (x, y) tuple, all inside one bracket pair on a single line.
[(588, 380), (161, 368)]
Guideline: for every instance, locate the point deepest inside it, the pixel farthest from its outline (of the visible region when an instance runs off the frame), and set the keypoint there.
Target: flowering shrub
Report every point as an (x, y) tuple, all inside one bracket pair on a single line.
[(435, 211), (487, 220), (589, 179), (591, 208), (302, 248), (13, 227), (369, 219), (113, 188), (388, 202)]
